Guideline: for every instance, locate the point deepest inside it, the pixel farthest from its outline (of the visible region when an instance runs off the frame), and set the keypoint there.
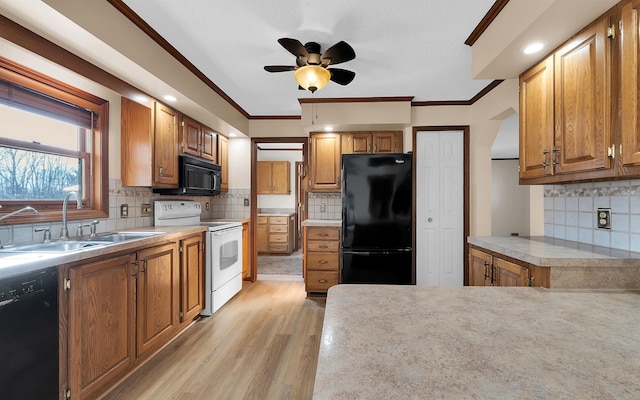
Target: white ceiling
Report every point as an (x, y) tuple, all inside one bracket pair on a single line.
[(408, 48)]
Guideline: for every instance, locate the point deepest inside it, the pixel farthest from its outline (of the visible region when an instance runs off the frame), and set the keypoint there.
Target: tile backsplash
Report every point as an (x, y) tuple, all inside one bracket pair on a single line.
[(325, 206), (570, 213), (228, 205)]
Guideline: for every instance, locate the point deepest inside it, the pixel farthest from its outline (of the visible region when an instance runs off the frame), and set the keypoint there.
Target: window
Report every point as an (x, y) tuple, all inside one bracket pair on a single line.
[(53, 139)]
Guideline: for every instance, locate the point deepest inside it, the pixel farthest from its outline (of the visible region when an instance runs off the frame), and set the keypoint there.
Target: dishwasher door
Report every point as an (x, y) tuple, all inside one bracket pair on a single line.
[(29, 336)]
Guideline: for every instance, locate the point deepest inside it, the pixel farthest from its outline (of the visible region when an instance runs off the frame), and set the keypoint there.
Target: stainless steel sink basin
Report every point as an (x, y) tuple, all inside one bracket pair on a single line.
[(54, 247), (124, 236)]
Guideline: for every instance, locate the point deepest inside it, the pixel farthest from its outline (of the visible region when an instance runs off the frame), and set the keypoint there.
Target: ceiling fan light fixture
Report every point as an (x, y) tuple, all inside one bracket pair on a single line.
[(312, 77)]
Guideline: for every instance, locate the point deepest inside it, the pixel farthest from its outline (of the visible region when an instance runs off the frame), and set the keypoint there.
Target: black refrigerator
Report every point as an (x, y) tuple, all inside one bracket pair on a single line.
[(377, 219)]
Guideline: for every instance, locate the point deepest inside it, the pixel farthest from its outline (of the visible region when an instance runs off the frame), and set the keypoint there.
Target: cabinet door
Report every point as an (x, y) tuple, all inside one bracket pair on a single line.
[(246, 274), (262, 237), (507, 273), (281, 177), (479, 268), (209, 144), (165, 151), (190, 137), (325, 162), (191, 278), (158, 297), (223, 160), (386, 142), (101, 325), (630, 89), (136, 147), (536, 121), (263, 173), (582, 98)]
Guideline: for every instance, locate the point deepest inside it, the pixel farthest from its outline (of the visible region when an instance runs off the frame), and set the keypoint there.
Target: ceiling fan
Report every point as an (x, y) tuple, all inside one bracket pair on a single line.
[(311, 70)]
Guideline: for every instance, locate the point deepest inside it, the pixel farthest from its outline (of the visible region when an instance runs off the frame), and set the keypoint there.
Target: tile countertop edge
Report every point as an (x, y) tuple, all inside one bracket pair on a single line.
[(541, 252), (171, 233), (322, 222)]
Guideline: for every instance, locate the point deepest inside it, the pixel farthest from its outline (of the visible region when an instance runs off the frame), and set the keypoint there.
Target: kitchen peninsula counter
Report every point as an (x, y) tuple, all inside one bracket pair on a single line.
[(409, 342)]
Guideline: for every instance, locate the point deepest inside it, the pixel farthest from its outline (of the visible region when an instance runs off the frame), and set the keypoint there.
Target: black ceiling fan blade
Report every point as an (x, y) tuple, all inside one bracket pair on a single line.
[(279, 68), (338, 53), (294, 47), (342, 76)]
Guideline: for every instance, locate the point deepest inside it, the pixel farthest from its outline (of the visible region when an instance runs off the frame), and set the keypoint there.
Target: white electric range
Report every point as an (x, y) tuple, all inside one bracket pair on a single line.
[(223, 260)]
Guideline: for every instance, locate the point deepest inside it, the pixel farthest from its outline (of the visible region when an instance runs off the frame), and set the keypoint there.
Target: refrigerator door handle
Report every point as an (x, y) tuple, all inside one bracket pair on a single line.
[(376, 252)]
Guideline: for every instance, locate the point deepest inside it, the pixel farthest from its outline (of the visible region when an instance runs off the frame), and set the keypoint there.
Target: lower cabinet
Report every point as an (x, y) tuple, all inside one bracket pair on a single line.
[(276, 234), (489, 269), (321, 259), (122, 309)]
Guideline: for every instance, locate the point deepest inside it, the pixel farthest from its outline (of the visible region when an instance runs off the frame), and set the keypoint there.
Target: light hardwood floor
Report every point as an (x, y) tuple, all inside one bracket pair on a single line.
[(263, 344)]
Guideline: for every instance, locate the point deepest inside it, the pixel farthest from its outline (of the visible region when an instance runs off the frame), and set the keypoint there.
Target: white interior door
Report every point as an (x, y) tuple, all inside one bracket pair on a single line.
[(439, 250)]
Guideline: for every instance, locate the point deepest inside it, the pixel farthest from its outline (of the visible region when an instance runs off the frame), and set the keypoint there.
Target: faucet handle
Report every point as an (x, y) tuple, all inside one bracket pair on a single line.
[(47, 233), (79, 229), (93, 227)]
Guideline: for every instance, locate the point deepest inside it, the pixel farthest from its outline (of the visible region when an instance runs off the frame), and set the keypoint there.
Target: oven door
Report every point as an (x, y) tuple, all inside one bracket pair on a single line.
[(226, 257)]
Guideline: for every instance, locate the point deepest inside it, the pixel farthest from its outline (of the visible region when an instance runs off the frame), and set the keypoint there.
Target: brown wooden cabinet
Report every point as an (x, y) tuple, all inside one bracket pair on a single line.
[(489, 269), (121, 309), (274, 177), (371, 142), (629, 150), (136, 144), (191, 278), (198, 140), (321, 259), (276, 234), (262, 234), (165, 147), (102, 309), (324, 165), (223, 160)]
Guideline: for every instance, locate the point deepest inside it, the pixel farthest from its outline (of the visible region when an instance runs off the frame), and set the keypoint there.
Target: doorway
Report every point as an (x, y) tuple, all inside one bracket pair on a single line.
[(275, 217), (442, 205)]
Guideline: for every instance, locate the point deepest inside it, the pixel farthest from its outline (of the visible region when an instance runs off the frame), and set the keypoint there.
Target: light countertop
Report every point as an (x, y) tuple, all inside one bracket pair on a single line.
[(408, 342), (550, 252), (322, 222)]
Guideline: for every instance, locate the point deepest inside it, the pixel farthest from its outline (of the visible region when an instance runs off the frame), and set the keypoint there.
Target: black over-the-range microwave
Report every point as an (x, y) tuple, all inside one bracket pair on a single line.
[(196, 177)]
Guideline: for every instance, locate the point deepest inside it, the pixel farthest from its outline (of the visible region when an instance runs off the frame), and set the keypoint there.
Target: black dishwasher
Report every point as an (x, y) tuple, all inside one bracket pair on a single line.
[(29, 336)]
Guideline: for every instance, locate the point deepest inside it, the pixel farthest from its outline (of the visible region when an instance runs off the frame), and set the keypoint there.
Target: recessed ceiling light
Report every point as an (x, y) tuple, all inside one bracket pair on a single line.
[(328, 128), (533, 48), (233, 134), (170, 98), (141, 99)]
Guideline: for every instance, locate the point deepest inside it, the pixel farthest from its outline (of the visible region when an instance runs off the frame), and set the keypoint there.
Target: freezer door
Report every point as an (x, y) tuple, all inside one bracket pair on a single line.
[(377, 268), (376, 201)]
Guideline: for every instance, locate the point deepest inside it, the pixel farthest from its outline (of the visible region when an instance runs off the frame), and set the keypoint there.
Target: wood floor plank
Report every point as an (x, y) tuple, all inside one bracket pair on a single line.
[(263, 344)]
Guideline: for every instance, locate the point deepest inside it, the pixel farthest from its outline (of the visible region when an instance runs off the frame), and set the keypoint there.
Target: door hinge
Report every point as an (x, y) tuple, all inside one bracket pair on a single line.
[(67, 394), (530, 282), (182, 123), (180, 249), (67, 284), (620, 150), (181, 315), (611, 32), (611, 151)]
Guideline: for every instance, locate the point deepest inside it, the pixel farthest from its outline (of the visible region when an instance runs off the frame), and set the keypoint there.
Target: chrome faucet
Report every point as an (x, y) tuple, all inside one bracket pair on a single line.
[(64, 232), (11, 214)]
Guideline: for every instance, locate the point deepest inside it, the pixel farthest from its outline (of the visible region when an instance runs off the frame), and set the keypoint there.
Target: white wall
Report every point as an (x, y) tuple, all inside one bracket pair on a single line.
[(280, 200), (509, 201), (240, 163)]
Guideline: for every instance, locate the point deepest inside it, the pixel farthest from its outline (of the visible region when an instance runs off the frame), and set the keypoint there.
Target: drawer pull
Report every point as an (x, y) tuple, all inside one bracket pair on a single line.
[(323, 234), (323, 280), (322, 262), (323, 246)]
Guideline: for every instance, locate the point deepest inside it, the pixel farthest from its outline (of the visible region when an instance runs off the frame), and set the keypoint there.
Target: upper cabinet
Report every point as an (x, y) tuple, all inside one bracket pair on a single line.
[(149, 145), (274, 177), (324, 162), (371, 142), (579, 108), (198, 140), (223, 160)]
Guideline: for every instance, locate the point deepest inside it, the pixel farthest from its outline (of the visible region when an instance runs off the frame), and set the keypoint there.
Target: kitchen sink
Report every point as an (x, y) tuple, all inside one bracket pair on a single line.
[(123, 236), (54, 247)]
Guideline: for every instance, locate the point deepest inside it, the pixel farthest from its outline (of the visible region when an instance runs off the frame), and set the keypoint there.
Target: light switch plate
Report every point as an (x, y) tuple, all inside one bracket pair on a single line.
[(146, 210), (246, 202)]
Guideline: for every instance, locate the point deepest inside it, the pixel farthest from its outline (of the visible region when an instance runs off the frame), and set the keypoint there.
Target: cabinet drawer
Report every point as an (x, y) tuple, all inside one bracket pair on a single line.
[(315, 233), (323, 261), (279, 248), (320, 280), (278, 238), (278, 220), (323, 246), (278, 228), (262, 220)]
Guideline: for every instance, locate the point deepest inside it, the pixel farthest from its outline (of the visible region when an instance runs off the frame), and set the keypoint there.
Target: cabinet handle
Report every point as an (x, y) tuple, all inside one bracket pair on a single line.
[(323, 234), (486, 270), (161, 171), (323, 280), (322, 262), (544, 158), (556, 153), (323, 247), (144, 265)]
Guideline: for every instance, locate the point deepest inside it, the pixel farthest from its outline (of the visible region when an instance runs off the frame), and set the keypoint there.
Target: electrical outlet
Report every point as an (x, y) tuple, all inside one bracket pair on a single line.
[(206, 206), (323, 208), (124, 210), (246, 202), (604, 218), (146, 210)]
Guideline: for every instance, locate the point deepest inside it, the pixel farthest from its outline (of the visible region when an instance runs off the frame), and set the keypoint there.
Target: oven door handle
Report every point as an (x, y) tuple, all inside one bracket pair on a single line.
[(226, 231)]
